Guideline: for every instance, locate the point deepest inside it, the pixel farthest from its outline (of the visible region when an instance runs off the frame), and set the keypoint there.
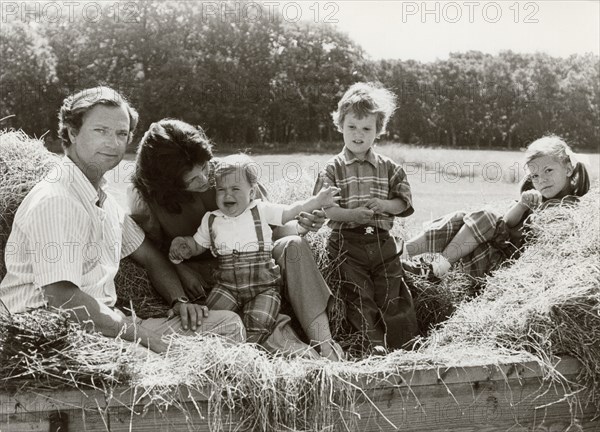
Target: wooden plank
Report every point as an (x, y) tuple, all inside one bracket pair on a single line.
[(478, 399)]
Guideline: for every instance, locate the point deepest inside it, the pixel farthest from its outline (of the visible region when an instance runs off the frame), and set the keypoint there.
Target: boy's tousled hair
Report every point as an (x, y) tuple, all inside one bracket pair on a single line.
[(553, 145), (366, 98), (238, 163), (75, 106), (167, 151)]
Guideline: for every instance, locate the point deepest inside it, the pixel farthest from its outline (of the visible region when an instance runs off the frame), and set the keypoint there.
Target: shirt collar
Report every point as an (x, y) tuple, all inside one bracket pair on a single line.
[(252, 204), (350, 158), (75, 179)]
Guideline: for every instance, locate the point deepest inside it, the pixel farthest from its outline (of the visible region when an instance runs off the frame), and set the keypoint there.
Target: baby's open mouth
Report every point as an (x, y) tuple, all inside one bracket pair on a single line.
[(229, 203)]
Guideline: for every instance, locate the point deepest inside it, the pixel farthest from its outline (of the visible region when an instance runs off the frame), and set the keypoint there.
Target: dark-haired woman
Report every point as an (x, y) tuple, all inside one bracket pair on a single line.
[(172, 190)]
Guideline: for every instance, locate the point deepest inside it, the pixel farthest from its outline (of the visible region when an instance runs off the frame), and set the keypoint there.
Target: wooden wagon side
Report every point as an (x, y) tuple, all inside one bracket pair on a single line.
[(486, 398)]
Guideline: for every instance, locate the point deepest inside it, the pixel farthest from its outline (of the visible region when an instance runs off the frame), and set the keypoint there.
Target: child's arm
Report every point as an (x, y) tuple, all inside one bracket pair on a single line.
[(360, 215), (529, 200), (183, 248), (327, 197), (393, 206)]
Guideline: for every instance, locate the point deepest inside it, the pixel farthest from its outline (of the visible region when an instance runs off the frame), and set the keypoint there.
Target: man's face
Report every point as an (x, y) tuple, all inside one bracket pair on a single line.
[(359, 133), (100, 143), (234, 193)]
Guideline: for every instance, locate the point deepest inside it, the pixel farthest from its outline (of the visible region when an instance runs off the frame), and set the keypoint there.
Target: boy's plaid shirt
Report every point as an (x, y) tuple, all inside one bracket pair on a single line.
[(375, 177)]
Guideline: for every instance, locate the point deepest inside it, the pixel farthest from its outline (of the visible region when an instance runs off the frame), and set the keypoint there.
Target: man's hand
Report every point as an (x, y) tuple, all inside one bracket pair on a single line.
[(362, 215), (191, 314)]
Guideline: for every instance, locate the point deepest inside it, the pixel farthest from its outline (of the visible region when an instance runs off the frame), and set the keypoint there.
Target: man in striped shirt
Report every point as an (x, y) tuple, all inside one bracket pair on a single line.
[(68, 235), (374, 190)]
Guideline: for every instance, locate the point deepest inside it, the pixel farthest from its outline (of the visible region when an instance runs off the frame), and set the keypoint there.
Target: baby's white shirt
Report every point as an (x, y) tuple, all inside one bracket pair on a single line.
[(238, 233)]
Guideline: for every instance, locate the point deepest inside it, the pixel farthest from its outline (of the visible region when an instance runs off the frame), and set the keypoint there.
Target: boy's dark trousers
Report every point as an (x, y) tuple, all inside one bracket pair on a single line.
[(377, 299)]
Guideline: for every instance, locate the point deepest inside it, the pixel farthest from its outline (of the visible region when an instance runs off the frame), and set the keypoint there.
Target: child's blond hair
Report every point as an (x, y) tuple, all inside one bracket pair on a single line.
[(238, 163), (363, 99), (556, 147)]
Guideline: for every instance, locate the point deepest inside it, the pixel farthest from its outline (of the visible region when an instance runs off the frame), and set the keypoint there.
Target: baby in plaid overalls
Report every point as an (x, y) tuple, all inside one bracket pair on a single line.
[(238, 233), (374, 190)]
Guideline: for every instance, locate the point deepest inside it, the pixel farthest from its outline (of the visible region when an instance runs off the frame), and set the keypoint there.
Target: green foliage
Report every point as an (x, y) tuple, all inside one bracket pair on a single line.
[(266, 83)]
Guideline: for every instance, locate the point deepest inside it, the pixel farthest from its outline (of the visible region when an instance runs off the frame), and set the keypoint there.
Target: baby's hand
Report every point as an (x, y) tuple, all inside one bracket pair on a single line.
[(328, 196), (362, 215), (180, 250), (531, 198), (377, 205)]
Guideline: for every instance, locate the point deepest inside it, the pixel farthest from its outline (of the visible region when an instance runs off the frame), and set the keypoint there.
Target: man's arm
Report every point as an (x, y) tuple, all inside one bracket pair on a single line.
[(164, 279), (88, 311)]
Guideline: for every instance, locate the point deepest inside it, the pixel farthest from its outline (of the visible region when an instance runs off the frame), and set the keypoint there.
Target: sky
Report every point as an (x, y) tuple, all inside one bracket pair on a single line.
[(428, 30), (393, 29)]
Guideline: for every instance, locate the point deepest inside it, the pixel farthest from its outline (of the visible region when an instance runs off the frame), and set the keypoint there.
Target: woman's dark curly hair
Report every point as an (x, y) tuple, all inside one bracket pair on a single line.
[(168, 150)]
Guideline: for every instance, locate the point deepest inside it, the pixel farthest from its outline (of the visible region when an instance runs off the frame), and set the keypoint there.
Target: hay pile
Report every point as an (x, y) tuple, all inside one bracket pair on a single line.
[(23, 163), (547, 302), (44, 350)]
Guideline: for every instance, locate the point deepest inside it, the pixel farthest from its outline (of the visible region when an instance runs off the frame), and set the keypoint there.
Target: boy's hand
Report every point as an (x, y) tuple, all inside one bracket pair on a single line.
[(531, 198), (328, 196), (362, 215), (180, 250), (378, 205)]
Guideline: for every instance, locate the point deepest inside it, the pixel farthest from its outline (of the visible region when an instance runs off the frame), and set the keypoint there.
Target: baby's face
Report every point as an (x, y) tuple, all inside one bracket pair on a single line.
[(234, 193)]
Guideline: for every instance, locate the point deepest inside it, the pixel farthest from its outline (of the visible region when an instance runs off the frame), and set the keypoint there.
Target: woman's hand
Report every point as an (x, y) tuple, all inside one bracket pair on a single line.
[(310, 221), (192, 282), (531, 199)]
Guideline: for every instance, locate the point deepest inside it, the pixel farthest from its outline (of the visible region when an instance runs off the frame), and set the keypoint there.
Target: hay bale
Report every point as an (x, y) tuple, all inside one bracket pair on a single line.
[(43, 349), (136, 294), (23, 163)]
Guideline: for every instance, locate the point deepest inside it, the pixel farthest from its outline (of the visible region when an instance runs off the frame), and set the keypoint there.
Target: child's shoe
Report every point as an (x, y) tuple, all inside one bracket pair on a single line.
[(433, 268), (379, 351), (439, 265)]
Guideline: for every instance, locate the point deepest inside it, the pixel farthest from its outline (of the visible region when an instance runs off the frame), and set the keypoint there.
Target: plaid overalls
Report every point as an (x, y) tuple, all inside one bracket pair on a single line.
[(248, 282)]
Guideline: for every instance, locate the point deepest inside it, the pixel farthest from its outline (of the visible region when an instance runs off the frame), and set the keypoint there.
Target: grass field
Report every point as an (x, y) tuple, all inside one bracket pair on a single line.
[(442, 180)]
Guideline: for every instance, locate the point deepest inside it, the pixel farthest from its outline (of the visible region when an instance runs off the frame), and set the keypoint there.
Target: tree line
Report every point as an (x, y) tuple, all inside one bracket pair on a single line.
[(271, 83)]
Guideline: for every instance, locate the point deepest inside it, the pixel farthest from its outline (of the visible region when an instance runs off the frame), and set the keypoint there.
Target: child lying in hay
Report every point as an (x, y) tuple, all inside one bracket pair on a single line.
[(483, 240)]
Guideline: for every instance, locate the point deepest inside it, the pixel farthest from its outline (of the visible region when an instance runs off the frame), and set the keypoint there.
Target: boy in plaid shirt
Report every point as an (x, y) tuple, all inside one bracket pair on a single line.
[(374, 190), (238, 233)]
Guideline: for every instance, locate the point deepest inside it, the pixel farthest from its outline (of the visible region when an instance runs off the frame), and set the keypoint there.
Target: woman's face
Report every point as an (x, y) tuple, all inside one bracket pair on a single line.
[(196, 179)]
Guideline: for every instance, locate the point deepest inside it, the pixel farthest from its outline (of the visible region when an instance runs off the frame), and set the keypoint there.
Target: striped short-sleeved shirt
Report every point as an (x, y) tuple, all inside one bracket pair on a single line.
[(376, 176), (66, 230)]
